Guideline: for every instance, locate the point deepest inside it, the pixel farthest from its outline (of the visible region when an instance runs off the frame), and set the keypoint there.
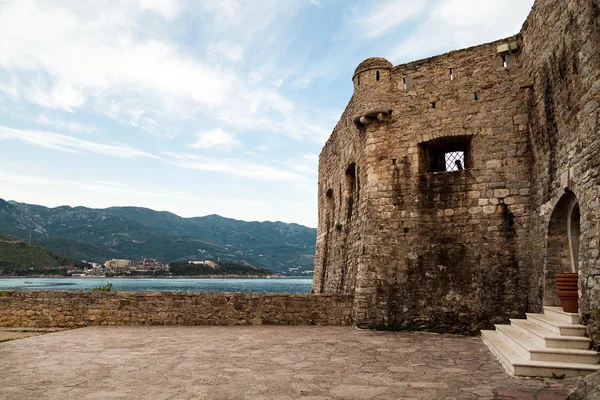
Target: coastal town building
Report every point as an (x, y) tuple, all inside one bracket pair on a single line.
[(208, 263), (149, 265), (116, 265)]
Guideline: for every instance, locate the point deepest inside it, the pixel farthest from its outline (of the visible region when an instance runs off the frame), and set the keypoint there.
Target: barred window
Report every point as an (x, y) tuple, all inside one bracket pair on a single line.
[(447, 154)]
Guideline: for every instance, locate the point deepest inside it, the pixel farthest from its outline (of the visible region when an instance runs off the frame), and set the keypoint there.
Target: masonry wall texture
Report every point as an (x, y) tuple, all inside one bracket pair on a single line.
[(422, 247), (75, 309)]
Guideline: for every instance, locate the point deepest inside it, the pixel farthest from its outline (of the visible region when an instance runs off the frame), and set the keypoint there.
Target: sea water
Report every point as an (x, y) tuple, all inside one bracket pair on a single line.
[(274, 285)]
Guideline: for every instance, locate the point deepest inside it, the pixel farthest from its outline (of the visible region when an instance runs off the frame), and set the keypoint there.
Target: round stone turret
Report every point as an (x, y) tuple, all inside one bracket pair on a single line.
[(373, 91), (371, 64)]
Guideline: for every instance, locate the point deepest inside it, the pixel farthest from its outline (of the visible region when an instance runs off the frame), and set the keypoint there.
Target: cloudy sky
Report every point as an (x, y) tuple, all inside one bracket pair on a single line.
[(200, 106)]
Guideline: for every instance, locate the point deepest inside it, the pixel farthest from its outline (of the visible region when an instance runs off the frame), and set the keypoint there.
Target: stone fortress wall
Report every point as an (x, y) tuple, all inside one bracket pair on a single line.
[(561, 54), (45, 309), (421, 247)]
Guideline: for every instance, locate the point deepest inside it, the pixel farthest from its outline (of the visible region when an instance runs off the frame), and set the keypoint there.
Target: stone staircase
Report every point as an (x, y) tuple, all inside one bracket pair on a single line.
[(543, 345)]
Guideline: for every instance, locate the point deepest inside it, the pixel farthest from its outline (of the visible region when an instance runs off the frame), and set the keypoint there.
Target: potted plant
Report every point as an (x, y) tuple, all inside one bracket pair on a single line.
[(567, 291)]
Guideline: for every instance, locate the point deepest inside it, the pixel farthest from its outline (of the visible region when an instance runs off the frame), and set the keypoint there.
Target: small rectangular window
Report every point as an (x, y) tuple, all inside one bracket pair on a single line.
[(455, 161), (446, 154)]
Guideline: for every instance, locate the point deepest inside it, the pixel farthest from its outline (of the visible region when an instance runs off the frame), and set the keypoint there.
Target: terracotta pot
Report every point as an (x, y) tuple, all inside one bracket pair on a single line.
[(566, 275), (569, 300), (566, 289), (566, 280)]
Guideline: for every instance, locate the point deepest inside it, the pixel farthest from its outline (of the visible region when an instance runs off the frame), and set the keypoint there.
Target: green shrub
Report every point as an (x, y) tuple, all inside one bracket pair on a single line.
[(105, 288)]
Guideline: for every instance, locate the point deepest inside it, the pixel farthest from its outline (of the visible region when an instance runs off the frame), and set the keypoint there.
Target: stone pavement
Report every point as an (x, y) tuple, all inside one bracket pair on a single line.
[(258, 362)]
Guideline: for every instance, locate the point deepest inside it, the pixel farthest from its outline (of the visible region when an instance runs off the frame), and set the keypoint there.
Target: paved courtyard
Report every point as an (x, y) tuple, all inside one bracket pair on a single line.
[(258, 362)]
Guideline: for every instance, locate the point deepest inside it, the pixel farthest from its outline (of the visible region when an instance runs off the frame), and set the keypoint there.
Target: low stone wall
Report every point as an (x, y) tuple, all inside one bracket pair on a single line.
[(75, 309)]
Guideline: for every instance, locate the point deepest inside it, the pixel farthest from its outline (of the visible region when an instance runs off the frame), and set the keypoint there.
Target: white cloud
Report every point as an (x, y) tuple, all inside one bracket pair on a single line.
[(230, 51), (107, 193), (77, 56), (277, 83), (265, 110), (308, 77), (229, 166), (237, 167), (311, 157), (226, 12), (168, 9), (305, 169), (455, 24), (70, 126), (217, 138), (70, 144), (388, 15), (61, 96), (106, 59), (9, 84)]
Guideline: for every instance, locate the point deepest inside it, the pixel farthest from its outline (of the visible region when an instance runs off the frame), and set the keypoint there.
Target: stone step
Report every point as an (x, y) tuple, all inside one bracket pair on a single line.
[(521, 342), (555, 326), (533, 351), (517, 364), (506, 354), (545, 338), (558, 314)]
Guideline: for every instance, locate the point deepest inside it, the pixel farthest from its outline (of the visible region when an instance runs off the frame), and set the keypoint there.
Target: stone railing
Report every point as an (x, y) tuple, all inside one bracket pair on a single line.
[(74, 309)]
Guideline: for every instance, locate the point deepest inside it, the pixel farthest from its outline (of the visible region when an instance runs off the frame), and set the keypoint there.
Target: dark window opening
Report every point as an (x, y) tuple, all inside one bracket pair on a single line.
[(504, 63), (358, 80), (350, 188), (475, 95), (451, 75), (351, 179), (433, 104), (404, 83), (377, 76), (446, 154), (329, 207)]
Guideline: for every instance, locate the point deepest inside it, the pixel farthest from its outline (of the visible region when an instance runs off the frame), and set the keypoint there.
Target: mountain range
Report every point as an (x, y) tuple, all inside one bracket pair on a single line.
[(133, 233)]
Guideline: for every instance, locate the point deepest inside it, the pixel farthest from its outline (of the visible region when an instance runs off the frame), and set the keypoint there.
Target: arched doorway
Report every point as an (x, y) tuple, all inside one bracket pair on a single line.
[(562, 244)]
